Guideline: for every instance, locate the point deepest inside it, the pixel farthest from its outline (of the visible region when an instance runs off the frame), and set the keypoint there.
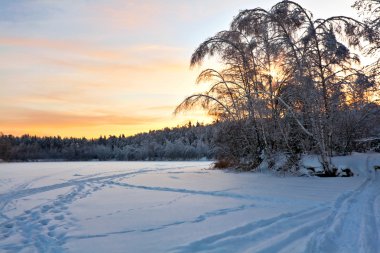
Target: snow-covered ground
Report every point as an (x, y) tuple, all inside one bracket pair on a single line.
[(185, 207)]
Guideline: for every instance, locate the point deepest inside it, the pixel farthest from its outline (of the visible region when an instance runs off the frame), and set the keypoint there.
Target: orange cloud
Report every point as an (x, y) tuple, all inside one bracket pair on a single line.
[(161, 108), (73, 47), (34, 118), (94, 51), (93, 124), (83, 89), (129, 14), (151, 76)]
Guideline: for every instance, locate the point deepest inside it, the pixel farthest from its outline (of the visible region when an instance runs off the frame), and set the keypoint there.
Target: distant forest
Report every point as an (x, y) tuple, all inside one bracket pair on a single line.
[(190, 142)]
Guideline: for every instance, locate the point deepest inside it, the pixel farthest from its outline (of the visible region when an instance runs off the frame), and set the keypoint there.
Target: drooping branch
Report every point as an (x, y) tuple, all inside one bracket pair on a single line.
[(195, 99)]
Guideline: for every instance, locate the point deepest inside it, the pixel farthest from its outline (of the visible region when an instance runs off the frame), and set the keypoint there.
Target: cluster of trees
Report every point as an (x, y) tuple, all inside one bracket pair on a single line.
[(180, 143), (290, 83)]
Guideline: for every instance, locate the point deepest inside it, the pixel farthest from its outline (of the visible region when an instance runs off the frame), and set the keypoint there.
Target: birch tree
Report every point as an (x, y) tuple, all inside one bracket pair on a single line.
[(283, 69)]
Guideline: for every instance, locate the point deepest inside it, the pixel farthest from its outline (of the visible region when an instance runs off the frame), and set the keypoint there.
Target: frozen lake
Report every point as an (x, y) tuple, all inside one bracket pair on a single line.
[(184, 207)]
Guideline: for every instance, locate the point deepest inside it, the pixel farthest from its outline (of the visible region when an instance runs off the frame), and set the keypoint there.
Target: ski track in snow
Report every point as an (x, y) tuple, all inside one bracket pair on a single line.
[(350, 224), (353, 225), (224, 193), (253, 234), (198, 219)]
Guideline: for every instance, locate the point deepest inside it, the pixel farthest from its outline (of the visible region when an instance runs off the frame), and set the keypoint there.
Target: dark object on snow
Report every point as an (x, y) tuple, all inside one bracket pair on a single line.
[(348, 172), (334, 173), (345, 173), (376, 167), (223, 164)]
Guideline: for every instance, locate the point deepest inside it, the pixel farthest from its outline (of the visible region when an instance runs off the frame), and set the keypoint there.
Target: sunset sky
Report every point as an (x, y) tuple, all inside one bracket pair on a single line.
[(101, 67)]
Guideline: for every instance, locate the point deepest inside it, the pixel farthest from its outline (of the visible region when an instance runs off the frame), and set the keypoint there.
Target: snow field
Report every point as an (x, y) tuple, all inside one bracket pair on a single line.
[(185, 207)]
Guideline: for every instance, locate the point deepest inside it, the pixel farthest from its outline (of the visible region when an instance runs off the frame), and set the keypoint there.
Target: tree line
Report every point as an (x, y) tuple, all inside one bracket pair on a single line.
[(291, 83), (188, 142)]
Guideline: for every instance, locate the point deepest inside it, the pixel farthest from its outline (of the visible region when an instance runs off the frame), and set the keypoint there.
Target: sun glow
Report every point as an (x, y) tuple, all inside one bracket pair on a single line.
[(108, 70), (274, 73)]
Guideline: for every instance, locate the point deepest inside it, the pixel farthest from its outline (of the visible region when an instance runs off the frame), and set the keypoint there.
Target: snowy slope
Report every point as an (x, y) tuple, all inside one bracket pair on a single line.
[(185, 207)]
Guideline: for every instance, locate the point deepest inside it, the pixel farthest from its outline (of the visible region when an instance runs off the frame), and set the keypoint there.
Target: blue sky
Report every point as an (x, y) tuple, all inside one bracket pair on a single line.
[(86, 68)]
